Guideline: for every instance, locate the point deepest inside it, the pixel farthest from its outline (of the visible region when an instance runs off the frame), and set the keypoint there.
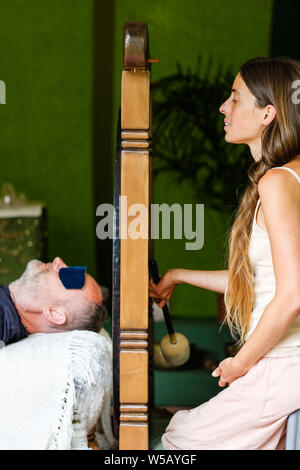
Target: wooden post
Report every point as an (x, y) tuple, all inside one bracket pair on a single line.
[(134, 277)]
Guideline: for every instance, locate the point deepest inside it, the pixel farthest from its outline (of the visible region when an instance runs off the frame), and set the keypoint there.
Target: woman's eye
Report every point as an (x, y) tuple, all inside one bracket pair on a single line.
[(233, 100)]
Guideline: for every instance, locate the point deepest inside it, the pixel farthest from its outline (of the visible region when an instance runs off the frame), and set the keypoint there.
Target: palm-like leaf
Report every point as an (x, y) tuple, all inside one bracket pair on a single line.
[(189, 136)]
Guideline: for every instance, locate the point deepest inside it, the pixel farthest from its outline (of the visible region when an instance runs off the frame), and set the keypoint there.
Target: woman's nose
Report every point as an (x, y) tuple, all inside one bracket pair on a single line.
[(221, 108), (58, 263), (224, 107)]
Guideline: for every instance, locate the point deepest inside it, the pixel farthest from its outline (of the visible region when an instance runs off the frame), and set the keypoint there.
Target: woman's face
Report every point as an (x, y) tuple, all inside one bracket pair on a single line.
[(244, 120)]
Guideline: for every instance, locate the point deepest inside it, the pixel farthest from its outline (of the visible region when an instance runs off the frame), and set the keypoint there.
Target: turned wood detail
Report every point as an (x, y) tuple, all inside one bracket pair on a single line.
[(132, 328)]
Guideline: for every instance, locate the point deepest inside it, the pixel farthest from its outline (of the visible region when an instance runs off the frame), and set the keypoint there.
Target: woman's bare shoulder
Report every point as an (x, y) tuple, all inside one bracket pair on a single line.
[(293, 165), (274, 180), (279, 192)]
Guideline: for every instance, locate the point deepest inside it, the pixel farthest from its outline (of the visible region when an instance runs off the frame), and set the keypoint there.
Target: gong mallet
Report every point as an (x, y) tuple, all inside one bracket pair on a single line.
[(174, 348)]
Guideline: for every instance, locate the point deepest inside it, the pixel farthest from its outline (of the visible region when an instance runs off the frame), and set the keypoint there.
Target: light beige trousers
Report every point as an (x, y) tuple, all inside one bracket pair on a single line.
[(250, 414)]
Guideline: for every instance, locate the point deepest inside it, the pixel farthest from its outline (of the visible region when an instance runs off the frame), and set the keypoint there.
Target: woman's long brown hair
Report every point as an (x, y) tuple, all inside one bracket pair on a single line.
[(270, 80)]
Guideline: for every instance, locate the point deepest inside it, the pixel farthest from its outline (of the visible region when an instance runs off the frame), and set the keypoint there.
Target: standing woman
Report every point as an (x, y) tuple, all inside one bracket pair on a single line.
[(262, 283)]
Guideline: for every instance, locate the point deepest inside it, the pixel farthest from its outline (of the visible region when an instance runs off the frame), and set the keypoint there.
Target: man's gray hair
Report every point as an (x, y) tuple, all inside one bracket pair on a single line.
[(89, 315)]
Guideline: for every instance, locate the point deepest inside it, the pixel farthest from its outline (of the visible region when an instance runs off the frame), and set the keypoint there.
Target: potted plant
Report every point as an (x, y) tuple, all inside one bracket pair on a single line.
[(189, 140)]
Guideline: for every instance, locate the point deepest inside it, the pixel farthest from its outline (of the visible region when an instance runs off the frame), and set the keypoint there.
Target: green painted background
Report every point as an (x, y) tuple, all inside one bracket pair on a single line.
[(61, 61), (226, 32), (45, 128)]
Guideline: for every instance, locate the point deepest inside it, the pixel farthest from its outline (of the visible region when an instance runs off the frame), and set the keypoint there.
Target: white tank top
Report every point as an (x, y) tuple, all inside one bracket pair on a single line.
[(260, 257)]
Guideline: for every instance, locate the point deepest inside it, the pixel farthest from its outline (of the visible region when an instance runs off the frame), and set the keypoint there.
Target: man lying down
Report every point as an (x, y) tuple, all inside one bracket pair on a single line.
[(48, 298)]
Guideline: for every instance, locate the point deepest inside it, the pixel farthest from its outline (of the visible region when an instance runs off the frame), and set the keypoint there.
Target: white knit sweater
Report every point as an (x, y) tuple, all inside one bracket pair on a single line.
[(53, 389)]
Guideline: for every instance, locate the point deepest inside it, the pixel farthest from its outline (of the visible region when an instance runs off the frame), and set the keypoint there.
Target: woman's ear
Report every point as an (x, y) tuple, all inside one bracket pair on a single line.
[(269, 114), (56, 315)]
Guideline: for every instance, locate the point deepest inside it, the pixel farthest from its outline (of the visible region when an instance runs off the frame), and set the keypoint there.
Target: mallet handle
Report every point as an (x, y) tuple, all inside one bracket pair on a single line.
[(153, 270)]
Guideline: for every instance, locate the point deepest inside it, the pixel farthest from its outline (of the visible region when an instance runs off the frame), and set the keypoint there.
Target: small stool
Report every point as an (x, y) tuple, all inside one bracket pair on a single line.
[(293, 432)]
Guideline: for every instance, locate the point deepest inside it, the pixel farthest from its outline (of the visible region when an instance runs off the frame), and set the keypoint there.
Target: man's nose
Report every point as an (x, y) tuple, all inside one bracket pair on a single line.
[(58, 263)]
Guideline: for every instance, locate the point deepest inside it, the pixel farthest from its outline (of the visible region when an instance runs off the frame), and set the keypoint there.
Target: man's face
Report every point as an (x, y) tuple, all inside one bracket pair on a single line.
[(40, 287)]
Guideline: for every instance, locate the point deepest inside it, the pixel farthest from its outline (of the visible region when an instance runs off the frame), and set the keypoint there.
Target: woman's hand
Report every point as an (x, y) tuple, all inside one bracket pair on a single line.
[(228, 371), (163, 291)]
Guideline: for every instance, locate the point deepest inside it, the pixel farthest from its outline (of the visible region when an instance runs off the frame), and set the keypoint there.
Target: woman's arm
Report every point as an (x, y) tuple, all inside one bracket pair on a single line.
[(276, 319), (279, 314), (211, 280), (280, 200)]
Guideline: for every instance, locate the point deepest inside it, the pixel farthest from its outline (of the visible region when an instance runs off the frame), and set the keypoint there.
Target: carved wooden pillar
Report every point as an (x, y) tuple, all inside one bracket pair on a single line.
[(134, 277)]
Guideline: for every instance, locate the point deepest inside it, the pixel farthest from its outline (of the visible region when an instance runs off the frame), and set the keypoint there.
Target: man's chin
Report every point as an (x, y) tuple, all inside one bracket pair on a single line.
[(34, 267), (35, 263)]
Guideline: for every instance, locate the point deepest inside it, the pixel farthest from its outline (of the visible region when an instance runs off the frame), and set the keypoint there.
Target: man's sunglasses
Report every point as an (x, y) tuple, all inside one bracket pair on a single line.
[(72, 277)]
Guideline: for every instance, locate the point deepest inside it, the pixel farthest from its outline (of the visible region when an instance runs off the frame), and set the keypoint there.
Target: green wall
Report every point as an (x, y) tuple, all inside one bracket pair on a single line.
[(229, 33), (46, 52), (62, 61)]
